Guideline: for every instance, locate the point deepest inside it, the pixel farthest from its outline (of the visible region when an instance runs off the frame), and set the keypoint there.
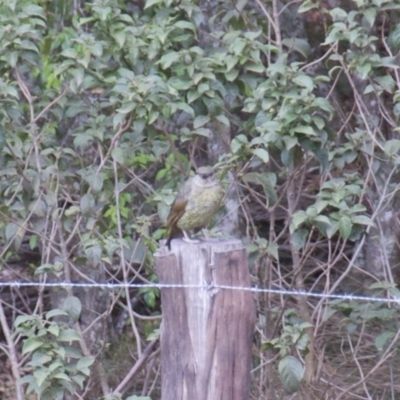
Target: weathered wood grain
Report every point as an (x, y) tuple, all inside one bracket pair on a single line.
[(206, 335)]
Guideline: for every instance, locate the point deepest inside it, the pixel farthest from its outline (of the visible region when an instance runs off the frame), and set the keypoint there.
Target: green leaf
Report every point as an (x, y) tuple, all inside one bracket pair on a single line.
[(389, 62), (304, 81), (96, 182), (168, 59), (203, 87), (287, 157), (382, 339), (231, 75), (272, 250), (127, 107), (15, 234), (80, 380), (73, 308), (70, 53), (85, 362), (298, 218), (290, 141), (33, 9), (320, 205), (87, 204), (134, 251), (362, 220), (13, 59), (299, 238), (184, 107), (68, 335), (345, 226), (200, 121), (185, 25), (54, 329), (11, 230), (323, 104), (93, 253), (268, 182), (338, 14), (202, 132), (305, 129), (255, 67), (331, 230), (30, 380), (319, 122), (150, 3), (394, 38), (299, 45), (39, 358), (312, 211), (307, 6), (118, 155), (197, 78), (323, 218), (392, 147), (49, 268), (55, 313), (83, 365), (192, 95), (40, 376), (328, 312), (180, 84), (31, 344), (231, 61), (223, 119), (62, 375), (26, 45), (262, 154), (370, 15), (237, 144), (386, 82), (369, 89), (364, 70), (120, 38), (291, 373), (238, 46), (21, 319)]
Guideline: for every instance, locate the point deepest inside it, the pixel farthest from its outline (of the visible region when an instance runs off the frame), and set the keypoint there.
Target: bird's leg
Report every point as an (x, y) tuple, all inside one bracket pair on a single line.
[(206, 233), (187, 239), (210, 236)]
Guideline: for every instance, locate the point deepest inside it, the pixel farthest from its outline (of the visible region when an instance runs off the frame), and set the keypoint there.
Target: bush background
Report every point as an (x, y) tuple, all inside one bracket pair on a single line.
[(106, 107)]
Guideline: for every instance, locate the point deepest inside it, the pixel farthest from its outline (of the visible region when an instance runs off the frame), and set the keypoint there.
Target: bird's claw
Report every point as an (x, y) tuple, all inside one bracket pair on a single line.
[(188, 240)]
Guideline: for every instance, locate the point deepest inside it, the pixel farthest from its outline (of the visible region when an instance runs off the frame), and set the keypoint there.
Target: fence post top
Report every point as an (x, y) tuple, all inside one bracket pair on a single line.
[(213, 244)]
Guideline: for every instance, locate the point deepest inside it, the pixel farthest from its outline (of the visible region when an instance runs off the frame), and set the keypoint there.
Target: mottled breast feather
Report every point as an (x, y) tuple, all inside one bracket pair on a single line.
[(195, 205), (203, 203)]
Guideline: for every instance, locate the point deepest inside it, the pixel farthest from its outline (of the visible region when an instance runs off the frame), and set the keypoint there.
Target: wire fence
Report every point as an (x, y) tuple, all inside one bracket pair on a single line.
[(205, 286)]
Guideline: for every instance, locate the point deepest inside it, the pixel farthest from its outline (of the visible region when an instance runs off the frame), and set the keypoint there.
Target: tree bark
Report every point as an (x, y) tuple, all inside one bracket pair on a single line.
[(206, 335)]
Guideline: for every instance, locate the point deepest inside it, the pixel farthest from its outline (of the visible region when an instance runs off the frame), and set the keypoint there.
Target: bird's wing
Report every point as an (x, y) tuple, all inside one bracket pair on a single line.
[(177, 210), (179, 205)]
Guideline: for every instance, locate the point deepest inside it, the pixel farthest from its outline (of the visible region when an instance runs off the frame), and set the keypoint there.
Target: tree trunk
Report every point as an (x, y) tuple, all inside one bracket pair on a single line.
[(206, 335)]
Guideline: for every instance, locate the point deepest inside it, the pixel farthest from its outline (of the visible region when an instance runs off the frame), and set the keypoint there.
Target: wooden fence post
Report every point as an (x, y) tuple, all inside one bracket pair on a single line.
[(206, 334)]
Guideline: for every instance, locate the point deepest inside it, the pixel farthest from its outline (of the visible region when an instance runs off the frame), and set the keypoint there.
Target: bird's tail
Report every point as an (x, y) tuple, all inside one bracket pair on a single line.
[(173, 232)]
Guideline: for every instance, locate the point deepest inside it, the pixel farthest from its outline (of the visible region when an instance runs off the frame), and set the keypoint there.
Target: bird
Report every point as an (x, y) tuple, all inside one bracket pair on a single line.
[(195, 205)]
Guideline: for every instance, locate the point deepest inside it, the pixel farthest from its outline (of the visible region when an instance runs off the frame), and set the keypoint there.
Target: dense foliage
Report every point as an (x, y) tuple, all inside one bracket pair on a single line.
[(107, 105)]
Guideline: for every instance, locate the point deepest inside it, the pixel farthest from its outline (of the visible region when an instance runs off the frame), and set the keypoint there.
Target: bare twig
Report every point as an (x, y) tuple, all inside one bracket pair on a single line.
[(135, 369), (12, 354)]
